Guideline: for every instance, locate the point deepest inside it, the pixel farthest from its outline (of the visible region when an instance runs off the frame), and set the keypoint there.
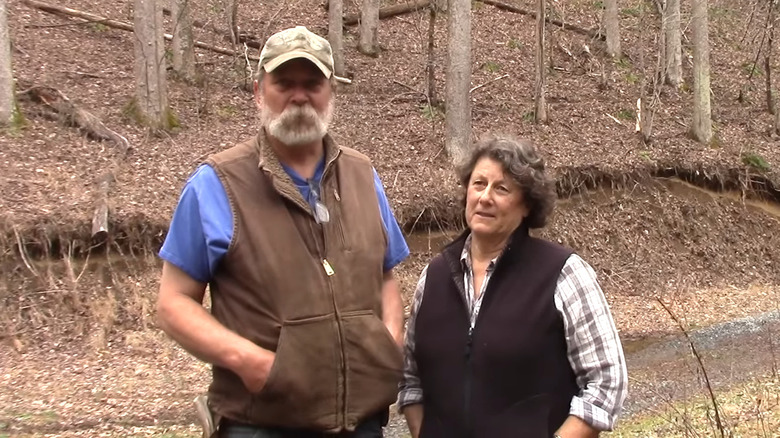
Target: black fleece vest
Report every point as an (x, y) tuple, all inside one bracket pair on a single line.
[(510, 377)]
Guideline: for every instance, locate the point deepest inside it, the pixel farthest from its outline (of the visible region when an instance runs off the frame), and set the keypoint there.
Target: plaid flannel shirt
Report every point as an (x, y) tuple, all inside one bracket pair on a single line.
[(594, 349)]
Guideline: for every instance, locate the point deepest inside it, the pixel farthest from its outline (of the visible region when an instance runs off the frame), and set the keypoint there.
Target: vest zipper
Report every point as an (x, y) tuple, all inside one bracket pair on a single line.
[(468, 382), (329, 271)]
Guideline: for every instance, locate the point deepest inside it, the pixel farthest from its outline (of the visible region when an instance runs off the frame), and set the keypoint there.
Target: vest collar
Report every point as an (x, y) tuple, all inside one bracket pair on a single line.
[(453, 251), (268, 162)]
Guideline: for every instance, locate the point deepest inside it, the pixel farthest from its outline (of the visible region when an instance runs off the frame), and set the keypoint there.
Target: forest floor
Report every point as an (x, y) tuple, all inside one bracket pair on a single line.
[(693, 225)]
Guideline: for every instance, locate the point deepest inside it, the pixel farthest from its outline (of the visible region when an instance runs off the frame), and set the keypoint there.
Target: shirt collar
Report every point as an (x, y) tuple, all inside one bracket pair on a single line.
[(465, 257)]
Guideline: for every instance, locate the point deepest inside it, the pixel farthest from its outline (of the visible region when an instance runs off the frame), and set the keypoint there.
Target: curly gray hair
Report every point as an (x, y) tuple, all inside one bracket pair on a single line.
[(522, 163)]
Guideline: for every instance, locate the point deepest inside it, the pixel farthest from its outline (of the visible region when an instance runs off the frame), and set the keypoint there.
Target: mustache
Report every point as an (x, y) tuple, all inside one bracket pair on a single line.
[(298, 114)]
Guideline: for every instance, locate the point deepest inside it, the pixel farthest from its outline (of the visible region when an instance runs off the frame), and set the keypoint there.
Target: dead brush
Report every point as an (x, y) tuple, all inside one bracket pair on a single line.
[(74, 295), (717, 413)]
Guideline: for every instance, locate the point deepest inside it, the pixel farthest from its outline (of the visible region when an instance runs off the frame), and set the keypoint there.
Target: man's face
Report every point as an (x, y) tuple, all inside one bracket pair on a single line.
[(296, 103)]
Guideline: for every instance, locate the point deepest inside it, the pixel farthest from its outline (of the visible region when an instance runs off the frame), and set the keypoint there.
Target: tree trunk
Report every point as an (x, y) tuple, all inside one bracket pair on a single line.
[(431, 65), (777, 122), (540, 115), (183, 42), (369, 22), (701, 129), (336, 34), (770, 101), (231, 14), (7, 101), (458, 118), (652, 76), (673, 50), (612, 27), (151, 88)]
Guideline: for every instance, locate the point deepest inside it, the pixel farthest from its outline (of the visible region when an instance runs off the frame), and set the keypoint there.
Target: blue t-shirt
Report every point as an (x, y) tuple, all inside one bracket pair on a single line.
[(202, 224)]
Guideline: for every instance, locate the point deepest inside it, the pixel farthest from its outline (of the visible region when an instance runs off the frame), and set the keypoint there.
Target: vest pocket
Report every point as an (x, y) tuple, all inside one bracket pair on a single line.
[(302, 386), (340, 233), (373, 363)]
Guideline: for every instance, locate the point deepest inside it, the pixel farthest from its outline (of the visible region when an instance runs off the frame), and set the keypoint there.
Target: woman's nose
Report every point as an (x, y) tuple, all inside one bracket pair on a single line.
[(486, 195)]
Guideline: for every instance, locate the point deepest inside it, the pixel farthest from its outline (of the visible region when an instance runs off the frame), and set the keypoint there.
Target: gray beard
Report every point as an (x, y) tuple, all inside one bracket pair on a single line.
[(297, 125)]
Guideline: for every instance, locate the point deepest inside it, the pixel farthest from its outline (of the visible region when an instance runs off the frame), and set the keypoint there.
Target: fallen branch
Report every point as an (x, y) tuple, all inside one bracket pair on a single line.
[(408, 87), (245, 38), (574, 28), (73, 115), (59, 10), (390, 11), (100, 216), (489, 82), (614, 118)]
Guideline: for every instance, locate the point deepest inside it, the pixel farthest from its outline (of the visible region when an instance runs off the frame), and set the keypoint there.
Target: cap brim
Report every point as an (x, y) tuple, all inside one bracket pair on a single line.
[(295, 54)]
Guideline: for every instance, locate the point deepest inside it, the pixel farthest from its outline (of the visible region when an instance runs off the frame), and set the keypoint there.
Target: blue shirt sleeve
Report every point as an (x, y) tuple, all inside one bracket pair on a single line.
[(397, 249), (201, 228)]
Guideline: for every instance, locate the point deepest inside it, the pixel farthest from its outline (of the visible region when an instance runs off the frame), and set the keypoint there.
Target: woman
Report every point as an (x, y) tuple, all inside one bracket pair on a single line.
[(509, 336)]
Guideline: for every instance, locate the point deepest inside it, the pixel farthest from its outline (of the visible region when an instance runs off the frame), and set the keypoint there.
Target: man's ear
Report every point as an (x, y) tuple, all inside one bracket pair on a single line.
[(258, 94)]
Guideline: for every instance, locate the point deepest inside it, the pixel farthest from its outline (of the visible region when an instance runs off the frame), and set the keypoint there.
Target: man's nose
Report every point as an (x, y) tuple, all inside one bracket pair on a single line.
[(299, 96)]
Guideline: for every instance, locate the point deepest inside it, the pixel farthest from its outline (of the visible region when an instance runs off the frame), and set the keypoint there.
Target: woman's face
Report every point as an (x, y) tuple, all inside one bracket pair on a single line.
[(494, 202)]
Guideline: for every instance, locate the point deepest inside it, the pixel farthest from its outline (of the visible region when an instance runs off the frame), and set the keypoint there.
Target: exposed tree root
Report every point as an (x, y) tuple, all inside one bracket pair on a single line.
[(72, 115)]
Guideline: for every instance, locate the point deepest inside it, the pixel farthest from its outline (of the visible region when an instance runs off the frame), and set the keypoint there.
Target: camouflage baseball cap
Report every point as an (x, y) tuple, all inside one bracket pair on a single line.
[(297, 42)]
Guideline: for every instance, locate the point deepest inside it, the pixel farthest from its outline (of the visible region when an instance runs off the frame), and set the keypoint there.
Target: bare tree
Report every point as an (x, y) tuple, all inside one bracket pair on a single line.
[(430, 66), (765, 33), (336, 34), (612, 27), (231, 13), (183, 42), (540, 115), (7, 101), (151, 89), (701, 128), (777, 122), (651, 81), (458, 118), (673, 50), (770, 101), (369, 23)]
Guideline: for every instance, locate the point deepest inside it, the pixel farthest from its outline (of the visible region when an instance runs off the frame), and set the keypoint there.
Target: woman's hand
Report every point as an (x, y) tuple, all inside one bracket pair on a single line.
[(575, 427), (414, 417)]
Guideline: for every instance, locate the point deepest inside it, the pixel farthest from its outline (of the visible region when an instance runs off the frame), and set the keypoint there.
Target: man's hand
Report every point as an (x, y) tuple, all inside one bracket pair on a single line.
[(182, 316), (255, 367)]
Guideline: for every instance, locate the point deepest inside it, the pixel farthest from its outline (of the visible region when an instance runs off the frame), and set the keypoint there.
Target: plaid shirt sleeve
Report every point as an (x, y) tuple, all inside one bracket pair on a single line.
[(410, 388), (594, 349)]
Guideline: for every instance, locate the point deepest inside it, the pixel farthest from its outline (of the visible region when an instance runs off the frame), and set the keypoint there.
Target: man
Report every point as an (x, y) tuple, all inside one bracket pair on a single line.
[(296, 241)]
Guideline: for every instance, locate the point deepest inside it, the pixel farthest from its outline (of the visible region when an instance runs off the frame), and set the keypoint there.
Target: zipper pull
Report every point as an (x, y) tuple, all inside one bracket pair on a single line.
[(328, 269), (468, 342), (336, 194)]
